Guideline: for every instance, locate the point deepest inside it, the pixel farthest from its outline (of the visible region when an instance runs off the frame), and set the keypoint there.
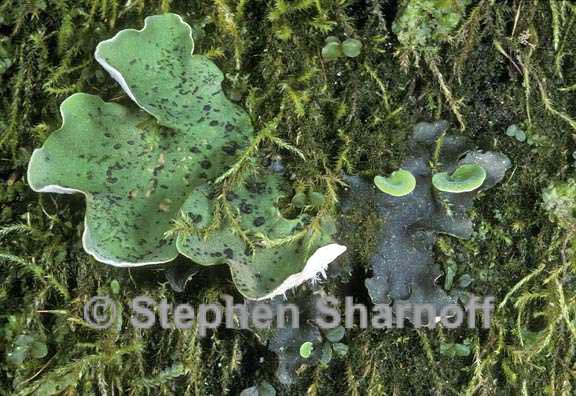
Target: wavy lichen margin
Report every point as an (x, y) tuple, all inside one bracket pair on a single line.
[(151, 65), (115, 73), (229, 130), (38, 158)]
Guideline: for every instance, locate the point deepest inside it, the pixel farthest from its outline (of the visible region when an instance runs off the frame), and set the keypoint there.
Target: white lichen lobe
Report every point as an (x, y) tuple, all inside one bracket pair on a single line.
[(316, 265)]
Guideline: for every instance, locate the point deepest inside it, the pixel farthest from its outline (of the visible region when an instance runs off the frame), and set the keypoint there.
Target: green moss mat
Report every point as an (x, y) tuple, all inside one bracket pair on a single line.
[(506, 63)]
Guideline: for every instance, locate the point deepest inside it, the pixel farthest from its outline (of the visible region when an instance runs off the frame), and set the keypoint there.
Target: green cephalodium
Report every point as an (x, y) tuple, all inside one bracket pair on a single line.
[(351, 48), (306, 349), (141, 165), (516, 132), (332, 50), (398, 184), (332, 39), (465, 178)]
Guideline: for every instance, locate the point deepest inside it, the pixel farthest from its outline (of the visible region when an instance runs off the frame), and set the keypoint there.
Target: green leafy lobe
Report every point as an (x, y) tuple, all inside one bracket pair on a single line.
[(398, 184), (515, 131), (352, 47), (135, 172), (263, 250), (139, 169), (332, 50), (465, 178)]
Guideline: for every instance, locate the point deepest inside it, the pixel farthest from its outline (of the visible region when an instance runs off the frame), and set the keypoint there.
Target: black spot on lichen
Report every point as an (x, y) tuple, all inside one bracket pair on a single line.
[(196, 218), (231, 148), (245, 207), (258, 221), (229, 253), (256, 187), (205, 164)]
